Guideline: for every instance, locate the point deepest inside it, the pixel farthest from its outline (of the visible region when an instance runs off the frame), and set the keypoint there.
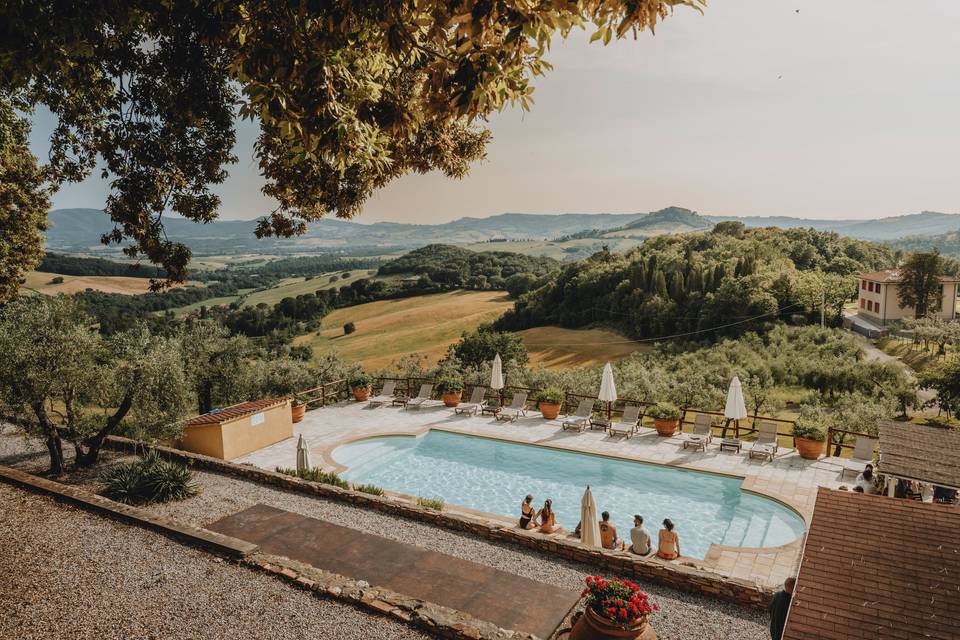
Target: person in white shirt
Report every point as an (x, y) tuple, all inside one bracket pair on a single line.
[(640, 537)]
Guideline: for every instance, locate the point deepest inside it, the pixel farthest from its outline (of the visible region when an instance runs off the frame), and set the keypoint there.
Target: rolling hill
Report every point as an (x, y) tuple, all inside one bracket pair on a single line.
[(79, 231)]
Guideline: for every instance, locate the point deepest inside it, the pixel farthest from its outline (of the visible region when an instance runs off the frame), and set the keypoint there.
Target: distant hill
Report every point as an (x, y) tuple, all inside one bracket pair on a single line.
[(946, 243), (79, 231)]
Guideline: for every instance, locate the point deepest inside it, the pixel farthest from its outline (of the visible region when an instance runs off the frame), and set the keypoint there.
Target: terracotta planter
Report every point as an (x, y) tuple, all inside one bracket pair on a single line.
[(666, 427), (297, 411), (809, 449), (361, 395), (452, 398), (550, 410), (590, 626)]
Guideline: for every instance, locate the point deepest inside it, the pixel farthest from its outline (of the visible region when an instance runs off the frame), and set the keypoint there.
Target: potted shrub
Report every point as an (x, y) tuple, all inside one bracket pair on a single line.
[(298, 407), (666, 418), (550, 400), (615, 609), (809, 437), (451, 388), (360, 386)]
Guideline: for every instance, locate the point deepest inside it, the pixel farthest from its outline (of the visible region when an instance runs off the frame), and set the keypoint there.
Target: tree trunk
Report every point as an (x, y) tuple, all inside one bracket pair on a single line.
[(205, 399), (52, 439), (94, 443)]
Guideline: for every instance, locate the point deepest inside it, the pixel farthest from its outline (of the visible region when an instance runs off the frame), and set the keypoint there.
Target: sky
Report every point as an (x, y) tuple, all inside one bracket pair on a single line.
[(806, 108)]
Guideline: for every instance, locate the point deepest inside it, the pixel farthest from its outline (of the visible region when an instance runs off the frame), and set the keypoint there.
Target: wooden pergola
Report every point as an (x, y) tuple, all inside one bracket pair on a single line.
[(920, 453)]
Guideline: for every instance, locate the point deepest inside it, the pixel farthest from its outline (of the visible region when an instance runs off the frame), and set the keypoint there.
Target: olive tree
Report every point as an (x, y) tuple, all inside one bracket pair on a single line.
[(63, 381), (349, 95)]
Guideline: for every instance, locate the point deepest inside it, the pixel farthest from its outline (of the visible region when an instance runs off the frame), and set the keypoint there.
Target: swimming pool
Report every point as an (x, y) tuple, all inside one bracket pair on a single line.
[(493, 476)]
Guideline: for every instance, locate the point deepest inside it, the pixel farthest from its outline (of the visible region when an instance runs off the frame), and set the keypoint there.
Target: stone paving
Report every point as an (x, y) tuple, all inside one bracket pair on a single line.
[(788, 478)]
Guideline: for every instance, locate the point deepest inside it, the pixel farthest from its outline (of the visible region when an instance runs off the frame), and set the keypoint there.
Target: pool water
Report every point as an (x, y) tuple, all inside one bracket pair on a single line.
[(493, 476)]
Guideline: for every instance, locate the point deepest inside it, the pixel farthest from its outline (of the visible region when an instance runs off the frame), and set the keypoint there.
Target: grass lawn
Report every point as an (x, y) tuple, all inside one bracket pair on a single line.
[(293, 287), (914, 356), (39, 282), (389, 329), (558, 348)]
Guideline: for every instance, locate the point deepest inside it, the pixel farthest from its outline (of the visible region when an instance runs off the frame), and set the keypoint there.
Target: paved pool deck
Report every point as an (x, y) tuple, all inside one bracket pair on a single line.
[(788, 478)]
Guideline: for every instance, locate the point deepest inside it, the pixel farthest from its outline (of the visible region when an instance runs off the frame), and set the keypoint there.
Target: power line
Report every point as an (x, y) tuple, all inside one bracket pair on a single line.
[(669, 337)]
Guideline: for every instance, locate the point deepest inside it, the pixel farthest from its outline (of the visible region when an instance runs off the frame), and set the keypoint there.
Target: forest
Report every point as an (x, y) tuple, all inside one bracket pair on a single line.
[(722, 282)]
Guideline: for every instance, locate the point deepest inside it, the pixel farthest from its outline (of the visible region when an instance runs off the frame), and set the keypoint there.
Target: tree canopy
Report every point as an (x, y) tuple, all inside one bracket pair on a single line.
[(919, 285), (348, 94)]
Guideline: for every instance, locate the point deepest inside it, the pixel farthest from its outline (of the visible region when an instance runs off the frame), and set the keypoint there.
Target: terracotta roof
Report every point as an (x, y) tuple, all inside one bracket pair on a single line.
[(919, 452), (893, 275), (219, 416), (875, 568)]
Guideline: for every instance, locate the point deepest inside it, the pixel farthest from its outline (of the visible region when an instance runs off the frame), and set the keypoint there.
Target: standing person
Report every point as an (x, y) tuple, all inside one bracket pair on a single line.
[(668, 546), (779, 607), (608, 532), (867, 480), (639, 537), (527, 513), (548, 521)]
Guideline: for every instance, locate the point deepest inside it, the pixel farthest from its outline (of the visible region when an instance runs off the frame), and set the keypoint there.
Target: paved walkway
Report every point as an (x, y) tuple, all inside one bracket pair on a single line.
[(507, 600)]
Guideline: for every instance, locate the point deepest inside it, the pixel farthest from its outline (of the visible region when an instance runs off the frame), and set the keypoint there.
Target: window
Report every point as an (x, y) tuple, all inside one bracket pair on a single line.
[(869, 305), (863, 284), (862, 303)]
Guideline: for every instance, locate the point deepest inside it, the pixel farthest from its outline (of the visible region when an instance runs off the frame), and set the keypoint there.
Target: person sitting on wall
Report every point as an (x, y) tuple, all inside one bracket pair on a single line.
[(669, 542), (548, 520), (608, 533), (527, 513), (640, 537)]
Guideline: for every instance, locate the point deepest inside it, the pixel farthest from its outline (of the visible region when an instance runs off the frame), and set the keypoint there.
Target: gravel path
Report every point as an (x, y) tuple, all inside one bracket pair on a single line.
[(682, 616), (71, 574)]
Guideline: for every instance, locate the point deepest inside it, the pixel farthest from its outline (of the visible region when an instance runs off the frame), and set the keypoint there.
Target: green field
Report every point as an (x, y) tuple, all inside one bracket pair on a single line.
[(293, 287), (567, 250)]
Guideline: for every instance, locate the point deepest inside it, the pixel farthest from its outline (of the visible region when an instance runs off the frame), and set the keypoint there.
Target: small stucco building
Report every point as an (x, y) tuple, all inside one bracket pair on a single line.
[(238, 430), (877, 300)]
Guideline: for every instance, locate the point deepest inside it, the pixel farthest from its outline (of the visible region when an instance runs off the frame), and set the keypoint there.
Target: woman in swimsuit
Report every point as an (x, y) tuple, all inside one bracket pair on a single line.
[(548, 521), (527, 513)]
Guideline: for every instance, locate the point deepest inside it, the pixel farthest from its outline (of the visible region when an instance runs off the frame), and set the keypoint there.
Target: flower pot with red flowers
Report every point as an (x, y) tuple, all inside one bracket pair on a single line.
[(360, 386), (615, 609), (808, 437), (451, 390), (666, 418), (298, 408), (550, 400)]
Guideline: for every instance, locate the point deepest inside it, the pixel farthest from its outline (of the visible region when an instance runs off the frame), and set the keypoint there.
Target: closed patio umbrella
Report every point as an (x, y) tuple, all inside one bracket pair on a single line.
[(303, 455), (496, 378), (736, 408), (589, 526), (608, 388)]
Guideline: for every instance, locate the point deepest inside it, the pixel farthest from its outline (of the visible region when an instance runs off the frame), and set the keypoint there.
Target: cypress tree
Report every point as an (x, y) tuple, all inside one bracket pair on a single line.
[(659, 287)]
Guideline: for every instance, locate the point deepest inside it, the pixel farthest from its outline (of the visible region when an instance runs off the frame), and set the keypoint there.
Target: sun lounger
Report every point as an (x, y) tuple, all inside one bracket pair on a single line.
[(424, 396), (476, 402), (766, 444), (627, 425), (517, 408), (862, 455), (580, 419), (702, 433), (386, 393)]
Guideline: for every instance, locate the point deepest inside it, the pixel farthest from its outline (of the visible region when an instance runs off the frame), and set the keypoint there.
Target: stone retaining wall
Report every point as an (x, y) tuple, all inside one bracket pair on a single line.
[(625, 564)]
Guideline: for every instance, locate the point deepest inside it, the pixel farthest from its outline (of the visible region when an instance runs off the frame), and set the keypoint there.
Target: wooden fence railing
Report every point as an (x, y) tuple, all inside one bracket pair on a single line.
[(334, 391), (836, 441)]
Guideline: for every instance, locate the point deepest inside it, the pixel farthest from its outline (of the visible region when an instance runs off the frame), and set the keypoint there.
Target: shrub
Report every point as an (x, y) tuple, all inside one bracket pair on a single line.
[(450, 384), (316, 475), (56, 280), (809, 430), (551, 395), (665, 411), (368, 488), (360, 380), (148, 480), (345, 275), (349, 328), (430, 503)]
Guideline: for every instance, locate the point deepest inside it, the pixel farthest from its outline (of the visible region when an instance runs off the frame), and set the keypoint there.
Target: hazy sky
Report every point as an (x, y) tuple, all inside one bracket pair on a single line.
[(846, 109)]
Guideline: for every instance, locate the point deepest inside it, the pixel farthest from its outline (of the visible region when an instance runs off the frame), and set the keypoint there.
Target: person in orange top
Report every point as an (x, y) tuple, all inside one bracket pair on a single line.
[(669, 545), (548, 521), (608, 533)]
